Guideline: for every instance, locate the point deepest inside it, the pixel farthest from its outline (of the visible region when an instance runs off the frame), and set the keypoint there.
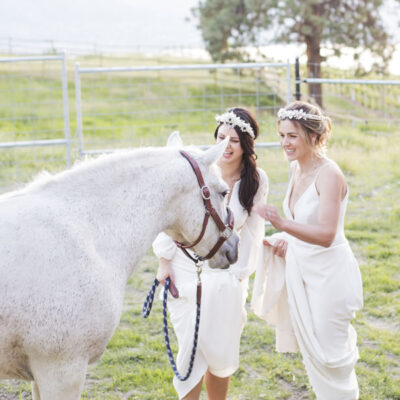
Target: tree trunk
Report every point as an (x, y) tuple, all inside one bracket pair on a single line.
[(314, 67)]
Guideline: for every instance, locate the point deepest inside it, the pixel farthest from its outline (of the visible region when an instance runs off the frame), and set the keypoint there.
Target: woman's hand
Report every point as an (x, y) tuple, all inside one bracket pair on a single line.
[(165, 271), (269, 213), (279, 248)]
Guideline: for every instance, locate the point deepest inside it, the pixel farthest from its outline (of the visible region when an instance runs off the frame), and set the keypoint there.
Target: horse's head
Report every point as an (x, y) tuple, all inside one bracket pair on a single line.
[(191, 206)]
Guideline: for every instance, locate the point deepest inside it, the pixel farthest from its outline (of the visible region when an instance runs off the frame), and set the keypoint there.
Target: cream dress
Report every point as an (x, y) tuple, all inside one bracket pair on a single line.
[(224, 293), (311, 297)]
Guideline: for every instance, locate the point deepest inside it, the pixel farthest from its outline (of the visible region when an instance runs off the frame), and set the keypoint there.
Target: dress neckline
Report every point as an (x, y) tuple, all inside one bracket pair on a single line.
[(297, 201), (231, 191), (312, 184), (290, 190)]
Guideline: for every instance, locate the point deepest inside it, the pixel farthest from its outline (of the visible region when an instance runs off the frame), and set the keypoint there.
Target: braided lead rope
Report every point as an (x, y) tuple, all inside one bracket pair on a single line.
[(145, 313), (148, 303), (166, 337)]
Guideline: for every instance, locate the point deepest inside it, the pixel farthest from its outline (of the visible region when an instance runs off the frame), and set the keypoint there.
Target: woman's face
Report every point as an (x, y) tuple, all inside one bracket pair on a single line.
[(293, 141), (233, 152)]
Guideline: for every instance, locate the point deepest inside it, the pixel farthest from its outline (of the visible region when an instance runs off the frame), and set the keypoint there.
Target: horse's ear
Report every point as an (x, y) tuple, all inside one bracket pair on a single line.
[(215, 152), (174, 140)]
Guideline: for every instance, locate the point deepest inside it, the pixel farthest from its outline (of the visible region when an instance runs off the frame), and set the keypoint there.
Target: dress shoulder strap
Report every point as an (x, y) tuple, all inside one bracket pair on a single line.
[(321, 168), (292, 168)]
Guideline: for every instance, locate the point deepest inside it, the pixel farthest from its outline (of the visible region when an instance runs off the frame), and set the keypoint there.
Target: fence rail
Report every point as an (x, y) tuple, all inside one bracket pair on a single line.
[(349, 81), (33, 143)]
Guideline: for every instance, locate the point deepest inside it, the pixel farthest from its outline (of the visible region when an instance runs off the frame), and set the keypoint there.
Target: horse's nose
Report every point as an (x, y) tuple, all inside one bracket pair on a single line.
[(232, 251)]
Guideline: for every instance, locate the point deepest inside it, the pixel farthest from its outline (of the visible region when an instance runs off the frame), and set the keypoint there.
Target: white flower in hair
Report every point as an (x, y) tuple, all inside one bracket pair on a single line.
[(230, 118), (298, 114)]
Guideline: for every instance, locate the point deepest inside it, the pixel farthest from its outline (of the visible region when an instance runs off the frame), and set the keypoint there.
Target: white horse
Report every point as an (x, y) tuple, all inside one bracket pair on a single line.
[(69, 243)]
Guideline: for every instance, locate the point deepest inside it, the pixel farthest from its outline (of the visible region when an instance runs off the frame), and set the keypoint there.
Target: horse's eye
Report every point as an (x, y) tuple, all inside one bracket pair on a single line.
[(224, 193)]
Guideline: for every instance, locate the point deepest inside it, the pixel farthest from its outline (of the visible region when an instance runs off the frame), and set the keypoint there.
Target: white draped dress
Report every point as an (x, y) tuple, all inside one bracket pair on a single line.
[(311, 297), (224, 292)]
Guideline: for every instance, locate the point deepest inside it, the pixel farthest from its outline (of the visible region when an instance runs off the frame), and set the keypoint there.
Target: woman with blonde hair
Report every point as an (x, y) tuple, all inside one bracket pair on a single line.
[(309, 284)]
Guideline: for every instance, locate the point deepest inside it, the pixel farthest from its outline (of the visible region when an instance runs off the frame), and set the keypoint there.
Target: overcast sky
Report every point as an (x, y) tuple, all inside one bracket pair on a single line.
[(130, 22), (134, 23), (126, 22)]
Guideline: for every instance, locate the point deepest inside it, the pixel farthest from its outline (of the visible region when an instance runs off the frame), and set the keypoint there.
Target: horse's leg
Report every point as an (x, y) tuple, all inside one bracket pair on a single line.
[(35, 391), (59, 379)]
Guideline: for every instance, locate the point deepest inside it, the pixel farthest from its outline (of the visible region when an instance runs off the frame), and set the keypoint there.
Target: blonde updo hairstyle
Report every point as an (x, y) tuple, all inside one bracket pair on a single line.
[(322, 128)]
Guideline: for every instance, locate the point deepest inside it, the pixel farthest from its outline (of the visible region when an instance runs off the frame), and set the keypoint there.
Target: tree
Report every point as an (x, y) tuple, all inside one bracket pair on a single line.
[(229, 26)]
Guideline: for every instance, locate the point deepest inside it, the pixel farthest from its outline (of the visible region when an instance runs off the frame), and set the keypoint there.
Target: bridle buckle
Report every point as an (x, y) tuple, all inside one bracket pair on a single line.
[(205, 192), (227, 233)]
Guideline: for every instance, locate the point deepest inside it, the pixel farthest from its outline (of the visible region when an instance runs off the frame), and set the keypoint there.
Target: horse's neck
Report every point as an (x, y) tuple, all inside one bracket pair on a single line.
[(126, 204)]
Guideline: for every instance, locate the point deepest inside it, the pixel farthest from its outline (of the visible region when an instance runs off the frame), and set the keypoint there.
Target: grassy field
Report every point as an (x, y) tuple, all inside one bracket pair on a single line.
[(135, 364)]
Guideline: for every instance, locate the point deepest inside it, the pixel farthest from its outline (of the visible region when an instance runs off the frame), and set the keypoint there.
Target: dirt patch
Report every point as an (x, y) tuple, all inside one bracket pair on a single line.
[(297, 393), (383, 324)]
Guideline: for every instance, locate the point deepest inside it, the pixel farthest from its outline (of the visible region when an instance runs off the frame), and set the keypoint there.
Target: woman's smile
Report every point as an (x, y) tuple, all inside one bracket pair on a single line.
[(228, 154)]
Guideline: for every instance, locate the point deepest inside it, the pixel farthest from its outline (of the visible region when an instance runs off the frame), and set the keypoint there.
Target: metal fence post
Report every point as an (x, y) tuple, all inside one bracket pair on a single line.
[(78, 109), (66, 109), (297, 79)]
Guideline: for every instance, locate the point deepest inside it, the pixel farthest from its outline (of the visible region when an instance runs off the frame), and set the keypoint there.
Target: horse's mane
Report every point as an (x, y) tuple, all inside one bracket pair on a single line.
[(137, 160)]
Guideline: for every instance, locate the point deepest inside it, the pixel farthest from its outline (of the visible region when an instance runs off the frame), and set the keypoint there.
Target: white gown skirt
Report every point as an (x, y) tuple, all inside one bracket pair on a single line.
[(222, 317), (324, 291)]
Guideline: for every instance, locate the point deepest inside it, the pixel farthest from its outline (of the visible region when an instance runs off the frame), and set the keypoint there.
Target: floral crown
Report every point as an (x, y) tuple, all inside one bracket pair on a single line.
[(298, 114), (230, 118)]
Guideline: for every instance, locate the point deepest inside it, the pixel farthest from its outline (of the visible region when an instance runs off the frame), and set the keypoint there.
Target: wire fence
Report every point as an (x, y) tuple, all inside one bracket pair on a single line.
[(22, 46), (34, 112)]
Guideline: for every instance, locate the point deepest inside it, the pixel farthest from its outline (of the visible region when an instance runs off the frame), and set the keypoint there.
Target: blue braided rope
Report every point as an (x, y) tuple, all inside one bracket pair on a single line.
[(148, 303), (146, 311), (195, 337)]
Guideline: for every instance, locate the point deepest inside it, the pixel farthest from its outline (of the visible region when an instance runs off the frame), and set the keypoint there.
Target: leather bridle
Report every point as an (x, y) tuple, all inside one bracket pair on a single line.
[(225, 229)]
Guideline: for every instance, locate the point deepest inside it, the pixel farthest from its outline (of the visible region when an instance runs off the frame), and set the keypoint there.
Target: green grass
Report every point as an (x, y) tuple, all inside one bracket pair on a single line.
[(135, 364)]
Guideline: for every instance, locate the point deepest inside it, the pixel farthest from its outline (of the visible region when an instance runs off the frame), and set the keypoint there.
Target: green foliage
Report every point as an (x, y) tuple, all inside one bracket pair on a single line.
[(228, 26)]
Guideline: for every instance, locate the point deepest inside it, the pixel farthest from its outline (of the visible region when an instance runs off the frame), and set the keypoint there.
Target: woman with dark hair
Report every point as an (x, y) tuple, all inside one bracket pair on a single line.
[(224, 291), (312, 290)]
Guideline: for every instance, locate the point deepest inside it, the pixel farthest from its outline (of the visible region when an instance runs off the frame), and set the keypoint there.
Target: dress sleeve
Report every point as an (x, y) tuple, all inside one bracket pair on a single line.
[(251, 235), (164, 246)]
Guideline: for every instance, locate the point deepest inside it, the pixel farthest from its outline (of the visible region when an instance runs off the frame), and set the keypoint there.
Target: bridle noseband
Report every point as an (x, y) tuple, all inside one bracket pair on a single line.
[(225, 229)]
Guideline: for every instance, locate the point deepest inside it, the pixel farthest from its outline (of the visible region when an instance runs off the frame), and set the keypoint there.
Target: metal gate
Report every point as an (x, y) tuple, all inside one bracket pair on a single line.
[(138, 106), (34, 116)]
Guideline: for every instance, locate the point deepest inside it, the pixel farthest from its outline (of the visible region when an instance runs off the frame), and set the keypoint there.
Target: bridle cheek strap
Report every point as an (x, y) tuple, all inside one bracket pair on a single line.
[(225, 229)]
